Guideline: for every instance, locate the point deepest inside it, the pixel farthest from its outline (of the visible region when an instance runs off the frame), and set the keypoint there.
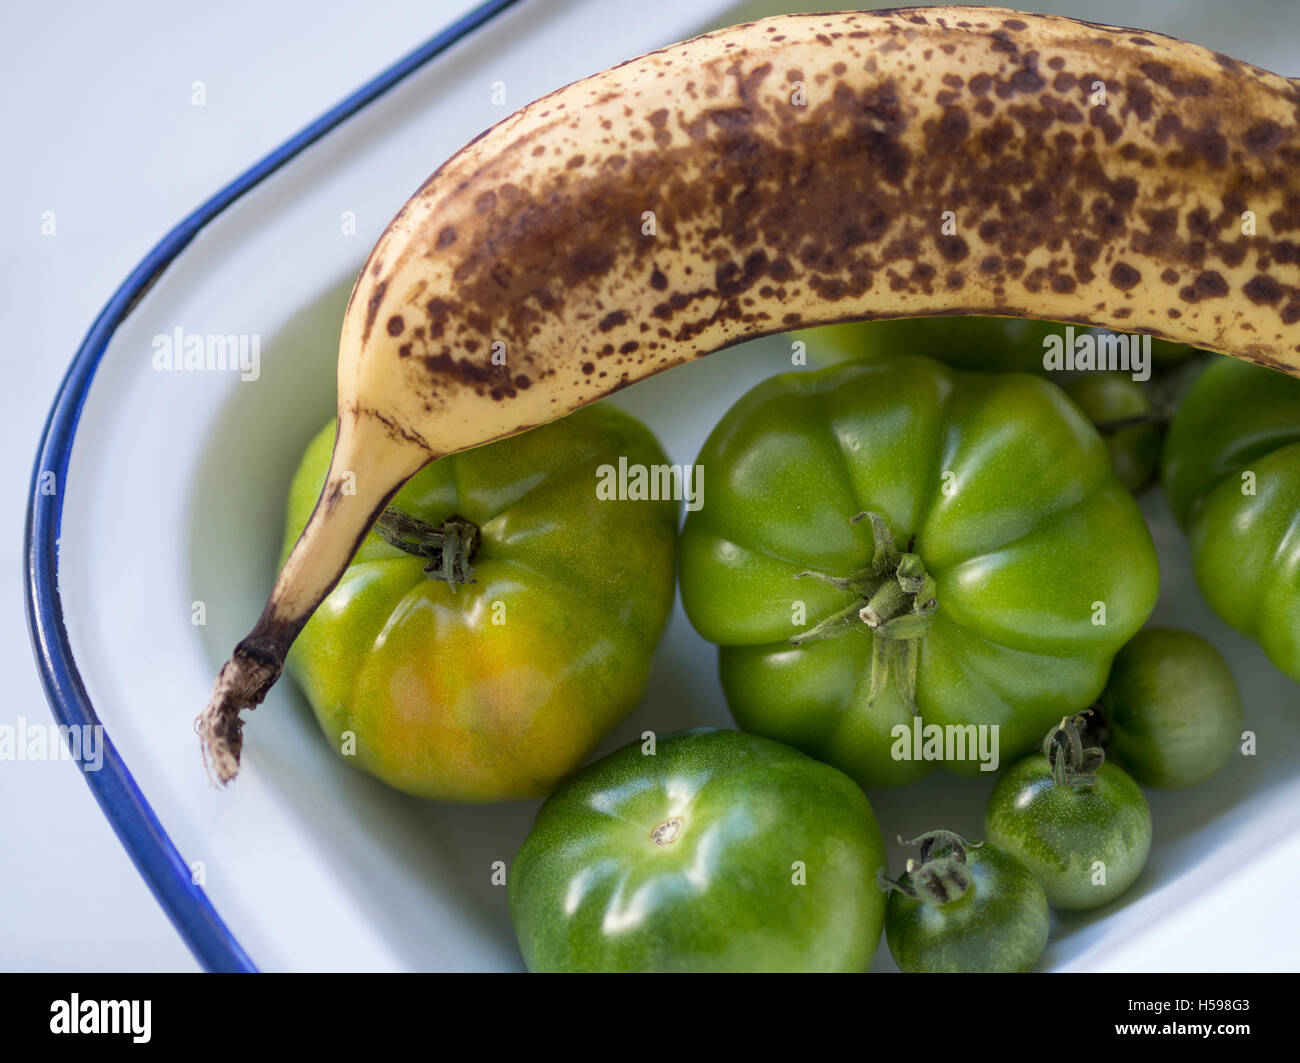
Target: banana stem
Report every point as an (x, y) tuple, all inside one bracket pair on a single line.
[(368, 467)]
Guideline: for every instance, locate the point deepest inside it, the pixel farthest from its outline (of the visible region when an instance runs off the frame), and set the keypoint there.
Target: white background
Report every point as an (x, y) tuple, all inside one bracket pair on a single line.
[(97, 125)]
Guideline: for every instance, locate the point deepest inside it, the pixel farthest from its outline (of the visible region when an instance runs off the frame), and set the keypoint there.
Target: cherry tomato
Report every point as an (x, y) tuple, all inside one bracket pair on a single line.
[(1079, 823), (1171, 709), (964, 908)]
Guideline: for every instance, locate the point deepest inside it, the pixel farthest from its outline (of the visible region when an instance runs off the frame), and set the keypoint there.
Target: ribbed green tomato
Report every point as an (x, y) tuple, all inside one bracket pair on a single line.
[(1231, 473), (498, 688), (706, 851), (1020, 564), (965, 908), (1016, 344)]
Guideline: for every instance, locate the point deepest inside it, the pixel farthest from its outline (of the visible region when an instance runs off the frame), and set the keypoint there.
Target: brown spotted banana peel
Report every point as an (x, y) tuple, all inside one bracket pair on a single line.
[(791, 172)]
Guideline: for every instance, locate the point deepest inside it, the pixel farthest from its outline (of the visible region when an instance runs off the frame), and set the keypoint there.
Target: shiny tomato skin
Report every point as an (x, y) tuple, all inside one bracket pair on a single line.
[(1085, 845), (716, 852), (1230, 471), (1173, 714), (496, 689), (1000, 925), (1043, 564)]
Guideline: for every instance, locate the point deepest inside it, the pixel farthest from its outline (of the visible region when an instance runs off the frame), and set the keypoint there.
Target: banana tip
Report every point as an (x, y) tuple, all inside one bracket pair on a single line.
[(241, 684)]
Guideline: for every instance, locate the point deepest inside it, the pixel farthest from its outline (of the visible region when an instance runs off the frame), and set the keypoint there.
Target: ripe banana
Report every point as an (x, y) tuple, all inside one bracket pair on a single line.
[(796, 171)]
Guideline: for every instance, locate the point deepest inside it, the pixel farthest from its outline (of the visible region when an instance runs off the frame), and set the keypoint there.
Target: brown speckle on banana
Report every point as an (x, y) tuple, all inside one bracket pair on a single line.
[(791, 172)]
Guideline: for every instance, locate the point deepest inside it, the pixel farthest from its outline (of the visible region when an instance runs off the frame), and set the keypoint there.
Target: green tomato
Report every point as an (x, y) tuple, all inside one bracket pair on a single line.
[(1003, 567), (498, 688), (1109, 400), (1171, 709), (965, 908), (1231, 473), (984, 344), (1016, 344), (1083, 829), (708, 851)]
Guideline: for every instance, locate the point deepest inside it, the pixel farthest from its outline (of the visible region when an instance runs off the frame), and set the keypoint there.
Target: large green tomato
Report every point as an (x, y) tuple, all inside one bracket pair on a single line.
[(497, 688), (1231, 473), (1003, 568), (704, 851), (1122, 408)]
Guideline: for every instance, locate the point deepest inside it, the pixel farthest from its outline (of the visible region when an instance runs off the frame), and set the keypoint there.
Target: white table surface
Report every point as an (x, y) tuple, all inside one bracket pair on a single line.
[(99, 128)]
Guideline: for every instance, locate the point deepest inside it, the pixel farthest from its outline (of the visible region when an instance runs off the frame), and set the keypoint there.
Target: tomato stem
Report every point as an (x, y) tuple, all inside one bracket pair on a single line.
[(934, 879), (1073, 764), (895, 599), (447, 549)]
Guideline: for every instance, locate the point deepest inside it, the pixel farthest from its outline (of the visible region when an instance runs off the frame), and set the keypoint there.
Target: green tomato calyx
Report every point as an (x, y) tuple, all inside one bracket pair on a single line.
[(1073, 764), (447, 549), (941, 876), (895, 598)]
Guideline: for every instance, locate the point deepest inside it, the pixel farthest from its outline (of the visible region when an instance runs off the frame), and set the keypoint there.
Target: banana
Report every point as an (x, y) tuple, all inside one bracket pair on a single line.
[(791, 172)]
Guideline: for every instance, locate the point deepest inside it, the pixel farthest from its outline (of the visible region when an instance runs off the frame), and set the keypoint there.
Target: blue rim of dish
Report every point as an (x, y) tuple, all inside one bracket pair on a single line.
[(153, 852)]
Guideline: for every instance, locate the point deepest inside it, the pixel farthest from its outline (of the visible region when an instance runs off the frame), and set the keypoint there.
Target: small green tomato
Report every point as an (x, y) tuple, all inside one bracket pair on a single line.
[(1171, 709), (1122, 410), (964, 907), (1081, 825)]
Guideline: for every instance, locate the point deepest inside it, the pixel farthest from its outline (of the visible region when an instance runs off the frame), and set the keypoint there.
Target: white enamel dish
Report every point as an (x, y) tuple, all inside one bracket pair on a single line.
[(170, 507)]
